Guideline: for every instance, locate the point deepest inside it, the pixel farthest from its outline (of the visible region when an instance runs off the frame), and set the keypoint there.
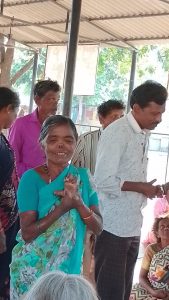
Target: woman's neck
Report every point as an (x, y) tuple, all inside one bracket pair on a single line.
[(164, 243), (54, 170)]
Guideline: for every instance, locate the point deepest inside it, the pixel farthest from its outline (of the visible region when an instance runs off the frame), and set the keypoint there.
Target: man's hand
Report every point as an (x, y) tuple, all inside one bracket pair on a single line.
[(149, 190)]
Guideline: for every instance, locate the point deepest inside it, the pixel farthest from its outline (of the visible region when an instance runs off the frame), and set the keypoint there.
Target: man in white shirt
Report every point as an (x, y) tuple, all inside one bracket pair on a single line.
[(120, 176), (85, 157)]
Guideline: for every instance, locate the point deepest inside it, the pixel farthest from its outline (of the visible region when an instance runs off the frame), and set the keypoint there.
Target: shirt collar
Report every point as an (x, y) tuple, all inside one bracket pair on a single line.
[(34, 116), (133, 123)]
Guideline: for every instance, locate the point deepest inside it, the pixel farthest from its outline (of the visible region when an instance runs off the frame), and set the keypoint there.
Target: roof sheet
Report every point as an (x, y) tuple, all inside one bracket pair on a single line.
[(127, 23)]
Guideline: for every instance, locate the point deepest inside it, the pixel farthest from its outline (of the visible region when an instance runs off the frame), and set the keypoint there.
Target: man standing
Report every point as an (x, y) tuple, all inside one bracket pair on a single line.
[(24, 133), (121, 181), (85, 156), (85, 153)]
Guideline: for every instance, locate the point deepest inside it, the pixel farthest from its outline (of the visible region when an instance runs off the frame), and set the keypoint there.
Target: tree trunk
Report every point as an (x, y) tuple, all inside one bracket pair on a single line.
[(21, 71), (6, 64), (6, 59)]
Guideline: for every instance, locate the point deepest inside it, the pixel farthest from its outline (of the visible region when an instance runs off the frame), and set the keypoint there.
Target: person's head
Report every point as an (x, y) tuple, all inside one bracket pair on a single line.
[(109, 111), (9, 104), (46, 96), (60, 286), (161, 229), (58, 138), (148, 104)]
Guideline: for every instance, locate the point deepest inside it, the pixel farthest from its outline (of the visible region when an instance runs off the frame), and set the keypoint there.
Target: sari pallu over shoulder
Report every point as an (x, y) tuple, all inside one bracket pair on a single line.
[(52, 249)]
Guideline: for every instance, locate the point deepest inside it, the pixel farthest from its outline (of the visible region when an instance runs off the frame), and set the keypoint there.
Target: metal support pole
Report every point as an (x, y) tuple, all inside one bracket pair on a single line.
[(71, 56), (132, 77), (35, 66), (2, 7)]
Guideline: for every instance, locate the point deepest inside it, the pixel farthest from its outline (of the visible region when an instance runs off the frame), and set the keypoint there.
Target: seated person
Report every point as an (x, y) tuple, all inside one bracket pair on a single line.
[(60, 286), (160, 207), (154, 273)]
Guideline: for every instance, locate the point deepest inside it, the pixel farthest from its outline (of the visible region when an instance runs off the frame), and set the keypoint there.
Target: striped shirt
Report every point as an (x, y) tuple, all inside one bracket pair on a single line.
[(86, 150)]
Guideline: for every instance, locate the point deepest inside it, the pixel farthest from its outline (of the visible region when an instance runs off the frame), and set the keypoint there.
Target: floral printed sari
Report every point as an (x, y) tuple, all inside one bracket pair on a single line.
[(52, 249)]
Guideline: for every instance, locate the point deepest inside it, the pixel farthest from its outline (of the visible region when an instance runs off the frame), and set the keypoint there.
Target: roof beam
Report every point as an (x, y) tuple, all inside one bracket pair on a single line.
[(147, 38), (95, 42), (131, 16), (23, 2), (26, 23), (99, 27), (30, 24), (107, 41), (85, 19)]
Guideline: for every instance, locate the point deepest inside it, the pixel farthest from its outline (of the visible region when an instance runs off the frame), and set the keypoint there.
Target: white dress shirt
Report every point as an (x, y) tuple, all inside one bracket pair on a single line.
[(122, 156)]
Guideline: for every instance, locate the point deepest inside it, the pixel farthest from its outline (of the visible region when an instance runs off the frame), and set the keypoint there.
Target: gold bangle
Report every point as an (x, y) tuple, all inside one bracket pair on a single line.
[(87, 218)]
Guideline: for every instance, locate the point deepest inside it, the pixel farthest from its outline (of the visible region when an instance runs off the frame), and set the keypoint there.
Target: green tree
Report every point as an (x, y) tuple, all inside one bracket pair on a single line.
[(20, 60)]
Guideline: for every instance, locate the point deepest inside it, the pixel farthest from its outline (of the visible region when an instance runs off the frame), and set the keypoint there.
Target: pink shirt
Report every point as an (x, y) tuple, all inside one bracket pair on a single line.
[(23, 137)]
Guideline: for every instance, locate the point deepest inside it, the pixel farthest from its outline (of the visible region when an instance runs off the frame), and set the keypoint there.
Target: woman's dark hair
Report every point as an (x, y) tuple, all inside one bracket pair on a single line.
[(106, 107), (57, 120), (8, 97), (147, 92), (44, 86)]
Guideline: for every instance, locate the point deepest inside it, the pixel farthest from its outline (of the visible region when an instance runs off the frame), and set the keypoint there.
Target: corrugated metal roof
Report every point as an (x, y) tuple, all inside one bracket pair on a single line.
[(126, 23)]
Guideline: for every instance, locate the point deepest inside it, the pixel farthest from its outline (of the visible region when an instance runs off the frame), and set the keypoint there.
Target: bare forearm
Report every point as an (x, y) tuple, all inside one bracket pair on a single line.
[(91, 219), (32, 231), (146, 284), (130, 186)]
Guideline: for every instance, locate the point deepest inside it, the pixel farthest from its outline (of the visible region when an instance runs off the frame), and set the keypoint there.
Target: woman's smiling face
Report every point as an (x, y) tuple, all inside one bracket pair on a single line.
[(60, 144)]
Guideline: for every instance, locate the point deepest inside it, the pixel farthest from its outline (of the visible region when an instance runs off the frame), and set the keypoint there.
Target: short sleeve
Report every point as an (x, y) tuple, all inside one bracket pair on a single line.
[(148, 255), (27, 195)]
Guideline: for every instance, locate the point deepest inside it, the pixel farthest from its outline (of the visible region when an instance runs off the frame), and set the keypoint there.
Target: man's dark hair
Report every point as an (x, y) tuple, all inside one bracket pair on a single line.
[(106, 107), (57, 120), (149, 91), (44, 86), (8, 97)]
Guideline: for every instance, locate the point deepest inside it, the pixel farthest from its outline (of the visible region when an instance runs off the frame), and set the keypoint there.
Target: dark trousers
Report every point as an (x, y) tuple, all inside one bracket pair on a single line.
[(5, 260), (115, 259)]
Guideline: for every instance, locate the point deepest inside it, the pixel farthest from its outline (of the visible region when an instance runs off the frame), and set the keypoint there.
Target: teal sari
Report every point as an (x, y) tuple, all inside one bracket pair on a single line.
[(60, 247)]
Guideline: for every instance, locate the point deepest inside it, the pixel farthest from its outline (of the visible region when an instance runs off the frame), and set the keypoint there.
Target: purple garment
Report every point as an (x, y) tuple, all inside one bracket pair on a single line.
[(23, 137)]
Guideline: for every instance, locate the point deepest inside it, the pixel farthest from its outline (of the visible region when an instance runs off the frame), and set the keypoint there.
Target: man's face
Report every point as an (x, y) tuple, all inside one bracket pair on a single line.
[(48, 103), (113, 115), (150, 116)]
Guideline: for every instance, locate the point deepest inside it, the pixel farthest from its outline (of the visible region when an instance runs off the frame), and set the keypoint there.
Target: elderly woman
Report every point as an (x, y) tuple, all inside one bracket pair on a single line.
[(154, 273), (56, 202), (60, 286), (9, 103)]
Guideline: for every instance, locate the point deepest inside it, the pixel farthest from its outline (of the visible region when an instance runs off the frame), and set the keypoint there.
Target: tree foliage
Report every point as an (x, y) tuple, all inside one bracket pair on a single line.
[(113, 71)]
